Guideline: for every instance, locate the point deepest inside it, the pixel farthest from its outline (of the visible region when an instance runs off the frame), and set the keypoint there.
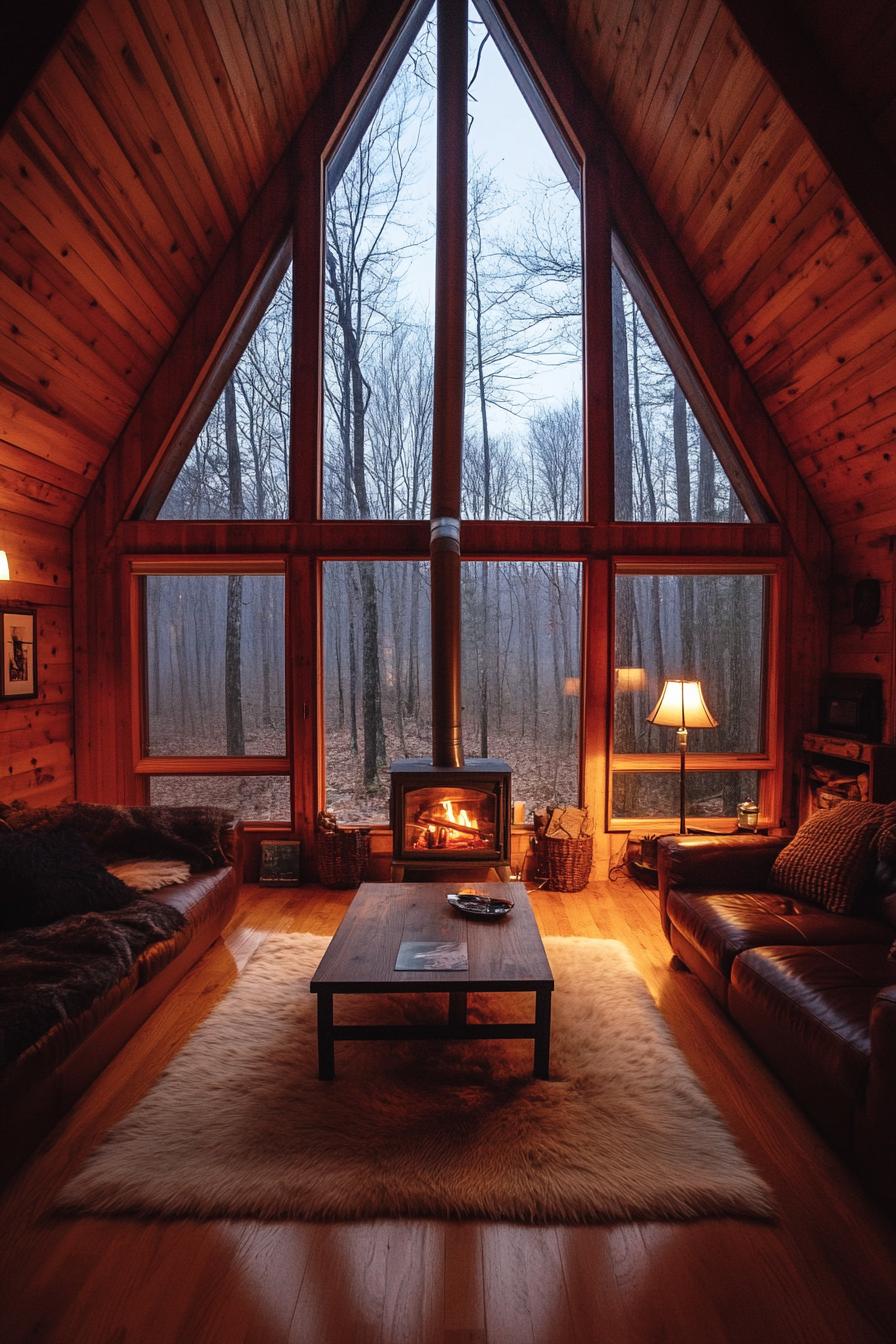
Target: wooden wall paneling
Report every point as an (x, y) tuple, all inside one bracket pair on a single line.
[(691, 23), (38, 201), (813, 90), (36, 738), (132, 78), (723, 86), (24, 488), (191, 79), (235, 113), (99, 156), (793, 174), (52, 287), (870, 318), (829, 282), (787, 259)]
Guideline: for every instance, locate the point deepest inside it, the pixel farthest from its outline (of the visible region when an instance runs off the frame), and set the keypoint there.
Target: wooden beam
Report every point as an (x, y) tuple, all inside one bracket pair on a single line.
[(226, 544), (813, 89)]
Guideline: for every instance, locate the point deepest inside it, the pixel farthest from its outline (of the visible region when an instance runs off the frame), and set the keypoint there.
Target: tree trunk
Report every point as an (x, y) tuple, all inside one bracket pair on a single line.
[(680, 449), (706, 482), (622, 421)]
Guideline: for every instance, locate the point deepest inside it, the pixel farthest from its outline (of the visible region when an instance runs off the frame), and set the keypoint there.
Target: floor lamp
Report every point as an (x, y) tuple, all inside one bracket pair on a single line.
[(681, 705)]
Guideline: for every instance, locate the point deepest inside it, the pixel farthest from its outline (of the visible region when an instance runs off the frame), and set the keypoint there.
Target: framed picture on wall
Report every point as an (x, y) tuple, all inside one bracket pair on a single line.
[(18, 674)]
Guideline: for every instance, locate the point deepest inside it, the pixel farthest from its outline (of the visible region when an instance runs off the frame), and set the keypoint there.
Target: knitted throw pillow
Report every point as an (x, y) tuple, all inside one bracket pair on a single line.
[(831, 857)]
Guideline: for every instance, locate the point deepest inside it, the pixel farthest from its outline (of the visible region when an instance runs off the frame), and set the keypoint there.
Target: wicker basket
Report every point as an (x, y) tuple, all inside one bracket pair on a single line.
[(341, 856), (565, 865)]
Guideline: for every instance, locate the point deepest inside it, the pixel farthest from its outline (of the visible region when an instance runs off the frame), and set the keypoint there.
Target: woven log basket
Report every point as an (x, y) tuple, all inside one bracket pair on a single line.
[(565, 864), (341, 856)]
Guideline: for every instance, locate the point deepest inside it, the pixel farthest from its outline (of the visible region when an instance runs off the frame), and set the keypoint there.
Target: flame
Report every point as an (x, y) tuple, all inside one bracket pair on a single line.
[(462, 817)]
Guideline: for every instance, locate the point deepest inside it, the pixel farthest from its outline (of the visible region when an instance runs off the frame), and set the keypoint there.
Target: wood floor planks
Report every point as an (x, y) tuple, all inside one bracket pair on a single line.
[(824, 1275)]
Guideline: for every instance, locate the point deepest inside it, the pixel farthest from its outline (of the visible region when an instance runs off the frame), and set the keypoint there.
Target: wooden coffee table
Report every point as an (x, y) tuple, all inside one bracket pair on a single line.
[(505, 956)]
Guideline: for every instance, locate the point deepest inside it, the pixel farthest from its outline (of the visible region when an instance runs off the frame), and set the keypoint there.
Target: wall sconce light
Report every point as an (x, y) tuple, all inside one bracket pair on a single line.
[(4, 568)]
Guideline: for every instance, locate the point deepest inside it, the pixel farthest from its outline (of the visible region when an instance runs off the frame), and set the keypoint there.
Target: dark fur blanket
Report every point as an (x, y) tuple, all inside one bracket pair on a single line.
[(189, 833), (53, 973)]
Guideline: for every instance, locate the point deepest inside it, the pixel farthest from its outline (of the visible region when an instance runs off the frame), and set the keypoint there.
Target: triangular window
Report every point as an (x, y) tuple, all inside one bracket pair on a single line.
[(673, 461), (523, 448), (238, 464)]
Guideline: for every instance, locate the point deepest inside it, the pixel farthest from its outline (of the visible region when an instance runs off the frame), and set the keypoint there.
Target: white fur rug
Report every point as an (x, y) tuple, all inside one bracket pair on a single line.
[(239, 1125)]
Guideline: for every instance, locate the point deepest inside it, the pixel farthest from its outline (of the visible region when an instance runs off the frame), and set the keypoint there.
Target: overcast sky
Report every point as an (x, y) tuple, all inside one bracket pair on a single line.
[(506, 139)]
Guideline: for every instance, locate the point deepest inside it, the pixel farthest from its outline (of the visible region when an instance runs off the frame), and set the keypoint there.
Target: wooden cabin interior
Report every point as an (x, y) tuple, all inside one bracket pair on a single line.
[(446, 383)]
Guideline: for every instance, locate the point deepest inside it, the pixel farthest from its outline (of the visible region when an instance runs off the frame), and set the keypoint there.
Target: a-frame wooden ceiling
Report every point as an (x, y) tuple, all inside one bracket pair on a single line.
[(128, 166)]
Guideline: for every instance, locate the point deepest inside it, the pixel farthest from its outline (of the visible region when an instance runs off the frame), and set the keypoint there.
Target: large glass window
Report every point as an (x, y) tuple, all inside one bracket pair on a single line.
[(521, 658), (520, 669), (696, 626), (666, 467), (523, 453), (249, 797), (239, 464), (215, 665), (379, 275)]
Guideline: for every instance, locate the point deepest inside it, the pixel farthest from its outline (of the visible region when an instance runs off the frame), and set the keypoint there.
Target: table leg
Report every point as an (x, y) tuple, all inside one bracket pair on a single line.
[(457, 1008), (542, 1033), (326, 1066)]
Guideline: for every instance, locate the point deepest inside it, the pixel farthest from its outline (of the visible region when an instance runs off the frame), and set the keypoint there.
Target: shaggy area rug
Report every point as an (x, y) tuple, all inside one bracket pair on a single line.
[(238, 1125)]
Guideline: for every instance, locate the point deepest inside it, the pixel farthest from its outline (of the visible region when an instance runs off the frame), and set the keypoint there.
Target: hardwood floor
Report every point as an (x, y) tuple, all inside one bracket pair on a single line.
[(823, 1275)]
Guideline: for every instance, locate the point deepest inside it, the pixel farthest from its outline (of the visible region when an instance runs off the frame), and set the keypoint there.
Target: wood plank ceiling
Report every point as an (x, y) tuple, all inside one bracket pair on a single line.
[(124, 173), (127, 167)]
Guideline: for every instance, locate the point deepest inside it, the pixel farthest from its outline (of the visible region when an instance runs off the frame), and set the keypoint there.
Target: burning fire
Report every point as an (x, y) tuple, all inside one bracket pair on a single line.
[(442, 826)]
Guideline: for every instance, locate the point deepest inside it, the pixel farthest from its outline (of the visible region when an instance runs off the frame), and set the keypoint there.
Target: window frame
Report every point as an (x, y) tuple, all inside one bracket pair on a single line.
[(143, 765), (300, 544), (766, 761)]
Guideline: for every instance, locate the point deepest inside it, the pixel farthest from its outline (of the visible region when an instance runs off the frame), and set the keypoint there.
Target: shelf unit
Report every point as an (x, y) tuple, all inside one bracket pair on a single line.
[(851, 762)]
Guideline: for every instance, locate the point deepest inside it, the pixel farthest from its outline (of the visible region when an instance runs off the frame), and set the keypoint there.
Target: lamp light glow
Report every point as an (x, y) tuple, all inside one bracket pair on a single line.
[(681, 705), (4, 567), (631, 678)]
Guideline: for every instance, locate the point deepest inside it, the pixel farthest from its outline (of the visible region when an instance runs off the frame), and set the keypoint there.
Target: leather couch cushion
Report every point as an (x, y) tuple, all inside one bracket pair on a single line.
[(724, 924), (199, 900), (808, 1009)]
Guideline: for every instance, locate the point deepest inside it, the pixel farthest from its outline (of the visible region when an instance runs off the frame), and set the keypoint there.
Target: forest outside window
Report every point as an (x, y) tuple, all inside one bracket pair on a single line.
[(520, 676), (671, 464), (523, 448), (238, 466), (214, 723), (713, 627)]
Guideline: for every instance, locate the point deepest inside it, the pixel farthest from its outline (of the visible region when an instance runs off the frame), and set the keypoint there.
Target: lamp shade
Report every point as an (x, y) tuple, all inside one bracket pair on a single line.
[(4, 567), (681, 705), (631, 678)]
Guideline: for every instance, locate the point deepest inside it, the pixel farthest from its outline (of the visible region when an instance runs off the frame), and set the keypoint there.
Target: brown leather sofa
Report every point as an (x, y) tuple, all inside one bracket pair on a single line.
[(814, 992), (43, 1083)]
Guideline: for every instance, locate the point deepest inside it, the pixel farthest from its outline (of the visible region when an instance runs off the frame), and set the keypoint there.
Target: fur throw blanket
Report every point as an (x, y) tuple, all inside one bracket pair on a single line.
[(192, 834), (51, 974)]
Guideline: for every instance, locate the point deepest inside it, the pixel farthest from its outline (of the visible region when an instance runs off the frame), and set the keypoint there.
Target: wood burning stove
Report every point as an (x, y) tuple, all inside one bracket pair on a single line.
[(454, 816)]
